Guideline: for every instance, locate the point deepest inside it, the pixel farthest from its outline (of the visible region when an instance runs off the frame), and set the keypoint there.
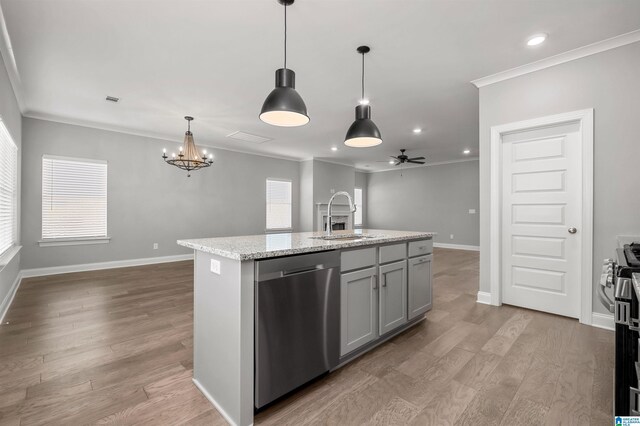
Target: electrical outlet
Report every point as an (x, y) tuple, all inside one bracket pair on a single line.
[(155, 246), (451, 237), (333, 191), (215, 266), (472, 211)]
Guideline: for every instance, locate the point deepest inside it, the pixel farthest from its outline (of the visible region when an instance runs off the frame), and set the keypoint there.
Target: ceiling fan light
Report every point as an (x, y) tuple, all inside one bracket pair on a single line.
[(284, 106), (363, 133)]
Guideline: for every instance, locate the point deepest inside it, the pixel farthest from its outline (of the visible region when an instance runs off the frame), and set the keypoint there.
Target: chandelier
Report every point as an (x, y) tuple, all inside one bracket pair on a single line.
[(188, 158)]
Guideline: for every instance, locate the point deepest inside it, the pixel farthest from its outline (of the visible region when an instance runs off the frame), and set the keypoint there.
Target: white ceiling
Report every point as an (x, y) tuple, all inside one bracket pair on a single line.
[(215, 60)]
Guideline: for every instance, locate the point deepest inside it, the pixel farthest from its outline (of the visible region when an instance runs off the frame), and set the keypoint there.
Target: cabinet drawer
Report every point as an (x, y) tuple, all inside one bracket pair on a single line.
[(357, 259), (418, 248), (393, 252)]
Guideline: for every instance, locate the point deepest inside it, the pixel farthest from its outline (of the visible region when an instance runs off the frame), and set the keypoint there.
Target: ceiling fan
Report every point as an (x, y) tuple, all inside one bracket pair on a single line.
[(403, 158)]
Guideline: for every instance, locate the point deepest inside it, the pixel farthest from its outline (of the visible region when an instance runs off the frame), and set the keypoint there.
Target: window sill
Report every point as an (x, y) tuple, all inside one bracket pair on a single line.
[(52, 242), (279, 231), (8, 256)]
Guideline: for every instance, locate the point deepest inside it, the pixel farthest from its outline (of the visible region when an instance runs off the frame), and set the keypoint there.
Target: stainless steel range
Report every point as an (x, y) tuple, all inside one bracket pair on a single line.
[(623, 275)]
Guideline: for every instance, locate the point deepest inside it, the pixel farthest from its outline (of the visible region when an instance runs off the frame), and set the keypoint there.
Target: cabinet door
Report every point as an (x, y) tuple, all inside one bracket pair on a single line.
[(358, 309), (393, 296), (419, 285)]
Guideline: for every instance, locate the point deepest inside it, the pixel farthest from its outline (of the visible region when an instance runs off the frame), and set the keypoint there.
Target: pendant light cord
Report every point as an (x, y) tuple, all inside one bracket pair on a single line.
[(362, 76), (285, 35)]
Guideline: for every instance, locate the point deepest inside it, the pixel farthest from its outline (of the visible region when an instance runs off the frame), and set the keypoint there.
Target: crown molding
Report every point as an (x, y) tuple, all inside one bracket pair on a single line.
[(438, 163), (571, 55), (151, 135)]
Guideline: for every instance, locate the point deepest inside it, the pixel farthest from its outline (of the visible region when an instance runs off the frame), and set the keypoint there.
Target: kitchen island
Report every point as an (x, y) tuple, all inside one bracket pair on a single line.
[(379, 282)]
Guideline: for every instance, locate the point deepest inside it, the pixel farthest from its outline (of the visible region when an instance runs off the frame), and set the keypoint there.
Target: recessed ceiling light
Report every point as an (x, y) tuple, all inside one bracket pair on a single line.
[(536, 39), (364, 101), (417, 130), (391, 162), (466, 151), (112, 99), (334, 148)]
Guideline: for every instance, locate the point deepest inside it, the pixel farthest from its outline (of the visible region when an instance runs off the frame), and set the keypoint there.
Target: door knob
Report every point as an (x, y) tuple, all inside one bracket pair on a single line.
[(572, 230)]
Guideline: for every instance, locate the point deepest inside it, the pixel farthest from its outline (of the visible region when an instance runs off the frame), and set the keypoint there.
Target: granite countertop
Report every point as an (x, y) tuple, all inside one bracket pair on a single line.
[(263, 246)]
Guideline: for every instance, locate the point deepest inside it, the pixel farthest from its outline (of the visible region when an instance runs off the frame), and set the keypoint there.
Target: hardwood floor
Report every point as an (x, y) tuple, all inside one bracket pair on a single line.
[(115, 347)]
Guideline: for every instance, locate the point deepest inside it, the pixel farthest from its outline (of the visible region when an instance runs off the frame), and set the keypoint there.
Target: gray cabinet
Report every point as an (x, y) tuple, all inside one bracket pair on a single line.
[(419, 285), (358, 309), (393, 296)]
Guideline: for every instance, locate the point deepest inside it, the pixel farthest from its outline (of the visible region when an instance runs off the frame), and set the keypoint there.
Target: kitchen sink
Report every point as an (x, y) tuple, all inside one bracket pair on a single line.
[(345, 237)]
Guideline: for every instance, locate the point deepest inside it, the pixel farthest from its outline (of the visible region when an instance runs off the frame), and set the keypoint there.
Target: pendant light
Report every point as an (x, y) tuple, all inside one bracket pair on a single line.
[(363, 133), (284, 106)]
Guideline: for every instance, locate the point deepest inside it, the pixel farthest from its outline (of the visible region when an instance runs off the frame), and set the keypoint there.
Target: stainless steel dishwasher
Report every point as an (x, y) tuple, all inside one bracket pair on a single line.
[(297, 322)]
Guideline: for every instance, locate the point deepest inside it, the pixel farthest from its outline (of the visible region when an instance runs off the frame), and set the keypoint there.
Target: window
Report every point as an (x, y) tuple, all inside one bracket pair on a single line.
[(74, 199), (357, 217), (8, 185), (278, 204)]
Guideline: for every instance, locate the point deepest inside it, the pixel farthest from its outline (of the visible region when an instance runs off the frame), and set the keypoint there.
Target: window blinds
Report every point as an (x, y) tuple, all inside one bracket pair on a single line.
[(278, 204), (8, 184), (74, 198), (357, 217)]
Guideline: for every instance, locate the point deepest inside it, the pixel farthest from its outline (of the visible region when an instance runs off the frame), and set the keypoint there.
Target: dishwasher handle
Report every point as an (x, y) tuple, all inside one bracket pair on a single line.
[(303, 270)]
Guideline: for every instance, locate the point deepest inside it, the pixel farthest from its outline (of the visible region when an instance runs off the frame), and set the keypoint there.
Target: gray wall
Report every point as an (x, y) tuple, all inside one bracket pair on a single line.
[(432, 198), (12, 119), (362, 181), (607, 82), (317, 179), (148, 200), (331, 176), (306, 196)]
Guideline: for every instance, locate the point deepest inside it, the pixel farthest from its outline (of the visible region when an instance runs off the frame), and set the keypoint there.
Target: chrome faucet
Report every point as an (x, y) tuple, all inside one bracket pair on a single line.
[(352, 209)]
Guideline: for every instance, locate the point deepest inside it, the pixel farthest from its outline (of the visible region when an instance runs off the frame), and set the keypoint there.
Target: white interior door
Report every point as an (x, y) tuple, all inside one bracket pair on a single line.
[(541, 219)]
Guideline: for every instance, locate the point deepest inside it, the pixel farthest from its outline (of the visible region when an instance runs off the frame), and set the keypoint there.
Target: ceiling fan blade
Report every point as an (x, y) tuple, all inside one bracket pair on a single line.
[(417, 158), (415, 162)]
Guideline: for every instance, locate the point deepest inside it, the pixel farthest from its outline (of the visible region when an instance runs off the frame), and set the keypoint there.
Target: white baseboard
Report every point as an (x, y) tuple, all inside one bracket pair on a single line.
[(214, 402), (4, 307), (484, 297), (54, 270), (603, 321), (457, 246)]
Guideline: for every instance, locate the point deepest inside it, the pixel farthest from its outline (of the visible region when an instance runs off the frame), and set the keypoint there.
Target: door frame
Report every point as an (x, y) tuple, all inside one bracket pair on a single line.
[(585, 119)]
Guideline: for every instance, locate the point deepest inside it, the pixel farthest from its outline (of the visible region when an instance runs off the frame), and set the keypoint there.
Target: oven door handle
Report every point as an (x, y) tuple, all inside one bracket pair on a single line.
[(604, 299)]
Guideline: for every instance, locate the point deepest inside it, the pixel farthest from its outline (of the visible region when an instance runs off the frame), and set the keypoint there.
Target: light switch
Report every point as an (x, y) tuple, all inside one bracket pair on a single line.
[(472, 211), (215, 266)]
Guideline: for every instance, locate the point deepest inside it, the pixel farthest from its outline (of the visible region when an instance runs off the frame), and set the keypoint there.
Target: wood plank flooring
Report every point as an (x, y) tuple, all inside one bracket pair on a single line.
[(115, 347)]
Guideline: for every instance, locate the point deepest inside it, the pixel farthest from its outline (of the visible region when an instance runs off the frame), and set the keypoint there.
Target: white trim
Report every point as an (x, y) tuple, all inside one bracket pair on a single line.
[(8, 255), (8, 299), (438, 163), (571, 55), (54, 242), (484, 298), (214, 402), (603, 321), (585, 117), (54, 270), (457, 246)]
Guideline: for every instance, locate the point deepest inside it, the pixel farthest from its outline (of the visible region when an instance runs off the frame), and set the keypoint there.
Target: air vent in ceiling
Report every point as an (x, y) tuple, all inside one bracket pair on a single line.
[(112, 99), (248, 137)]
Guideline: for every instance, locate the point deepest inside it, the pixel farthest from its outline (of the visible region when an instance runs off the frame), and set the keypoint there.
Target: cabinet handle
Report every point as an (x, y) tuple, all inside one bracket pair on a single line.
[(375, 282), (384, 281)]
